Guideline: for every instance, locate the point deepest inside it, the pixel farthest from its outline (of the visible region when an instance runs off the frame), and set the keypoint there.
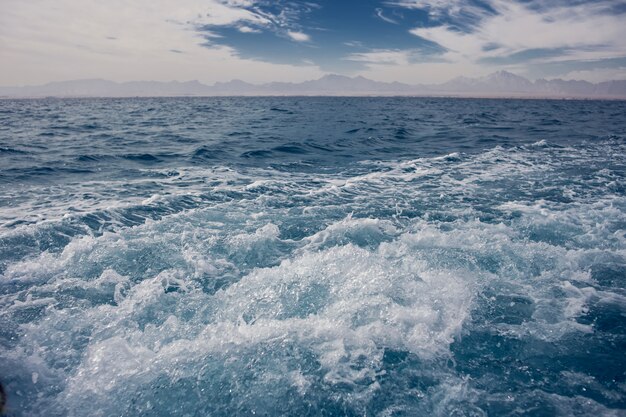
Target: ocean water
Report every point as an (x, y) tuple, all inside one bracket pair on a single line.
[(313, 257)]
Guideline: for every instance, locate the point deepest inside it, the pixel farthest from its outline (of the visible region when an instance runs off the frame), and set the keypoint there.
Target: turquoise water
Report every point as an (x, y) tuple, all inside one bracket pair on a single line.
[(313, 256)]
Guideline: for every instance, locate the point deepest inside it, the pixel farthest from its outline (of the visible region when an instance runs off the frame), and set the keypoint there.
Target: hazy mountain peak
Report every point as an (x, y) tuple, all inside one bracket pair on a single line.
[(335, 77), (503, 74), (497, 84), (233, 82)]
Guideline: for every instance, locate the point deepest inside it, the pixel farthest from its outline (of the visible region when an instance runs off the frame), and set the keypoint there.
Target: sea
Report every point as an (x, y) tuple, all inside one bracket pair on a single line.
[(313, 256)]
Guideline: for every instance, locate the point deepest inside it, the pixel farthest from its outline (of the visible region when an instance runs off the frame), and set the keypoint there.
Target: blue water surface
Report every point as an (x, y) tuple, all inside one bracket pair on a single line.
[(313, 257)]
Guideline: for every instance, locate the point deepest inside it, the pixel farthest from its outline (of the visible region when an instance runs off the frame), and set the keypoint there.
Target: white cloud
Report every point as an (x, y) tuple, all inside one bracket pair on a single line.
[(354, 44), (381, 57), (212, 12), (247, 29), (42, 41), (439, 7), (426, 4), (240, 3), (584, 32), (421, 73), (408, 66), (597, 75), (298, 36), (379, 13), (580, 30)]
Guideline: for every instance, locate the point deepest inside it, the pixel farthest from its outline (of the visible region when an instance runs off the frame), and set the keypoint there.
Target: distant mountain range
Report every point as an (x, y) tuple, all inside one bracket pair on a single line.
[(498, 84)]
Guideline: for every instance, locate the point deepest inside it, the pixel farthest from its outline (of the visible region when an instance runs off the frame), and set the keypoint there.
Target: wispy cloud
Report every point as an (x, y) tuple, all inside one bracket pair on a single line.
[(37, 45), (478, 37), (256, 16), (217, 13), (597, 75), (379, 13), (354, 44), (434, 5), (516, 27), (467, 10), (382, 57), (248, 29), (523, 36), (382, 39), (298, 36)]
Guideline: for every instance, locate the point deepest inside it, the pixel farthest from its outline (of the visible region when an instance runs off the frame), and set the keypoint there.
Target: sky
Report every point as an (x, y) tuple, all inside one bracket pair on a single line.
[(411, 41)]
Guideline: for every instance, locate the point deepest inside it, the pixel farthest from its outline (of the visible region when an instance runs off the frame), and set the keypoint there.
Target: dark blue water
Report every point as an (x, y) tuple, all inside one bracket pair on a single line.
[(313, 256)]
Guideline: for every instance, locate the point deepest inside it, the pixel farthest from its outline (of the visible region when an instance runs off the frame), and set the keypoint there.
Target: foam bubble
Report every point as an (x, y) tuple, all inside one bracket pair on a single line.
[(373, 291)]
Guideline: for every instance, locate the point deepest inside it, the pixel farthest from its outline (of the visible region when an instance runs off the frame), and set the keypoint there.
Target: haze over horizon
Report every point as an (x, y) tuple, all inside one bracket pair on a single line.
[(409, 41), (501, 84)]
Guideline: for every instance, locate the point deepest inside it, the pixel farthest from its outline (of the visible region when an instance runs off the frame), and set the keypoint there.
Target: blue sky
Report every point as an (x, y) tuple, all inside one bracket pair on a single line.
[(415, 41), (331, 33)]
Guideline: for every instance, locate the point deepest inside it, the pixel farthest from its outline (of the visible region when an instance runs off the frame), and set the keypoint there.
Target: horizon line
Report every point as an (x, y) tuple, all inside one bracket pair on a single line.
[(215, 83)]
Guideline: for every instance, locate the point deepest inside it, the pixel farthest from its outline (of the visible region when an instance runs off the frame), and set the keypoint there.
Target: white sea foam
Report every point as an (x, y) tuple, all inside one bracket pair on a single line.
[(304, 290)]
